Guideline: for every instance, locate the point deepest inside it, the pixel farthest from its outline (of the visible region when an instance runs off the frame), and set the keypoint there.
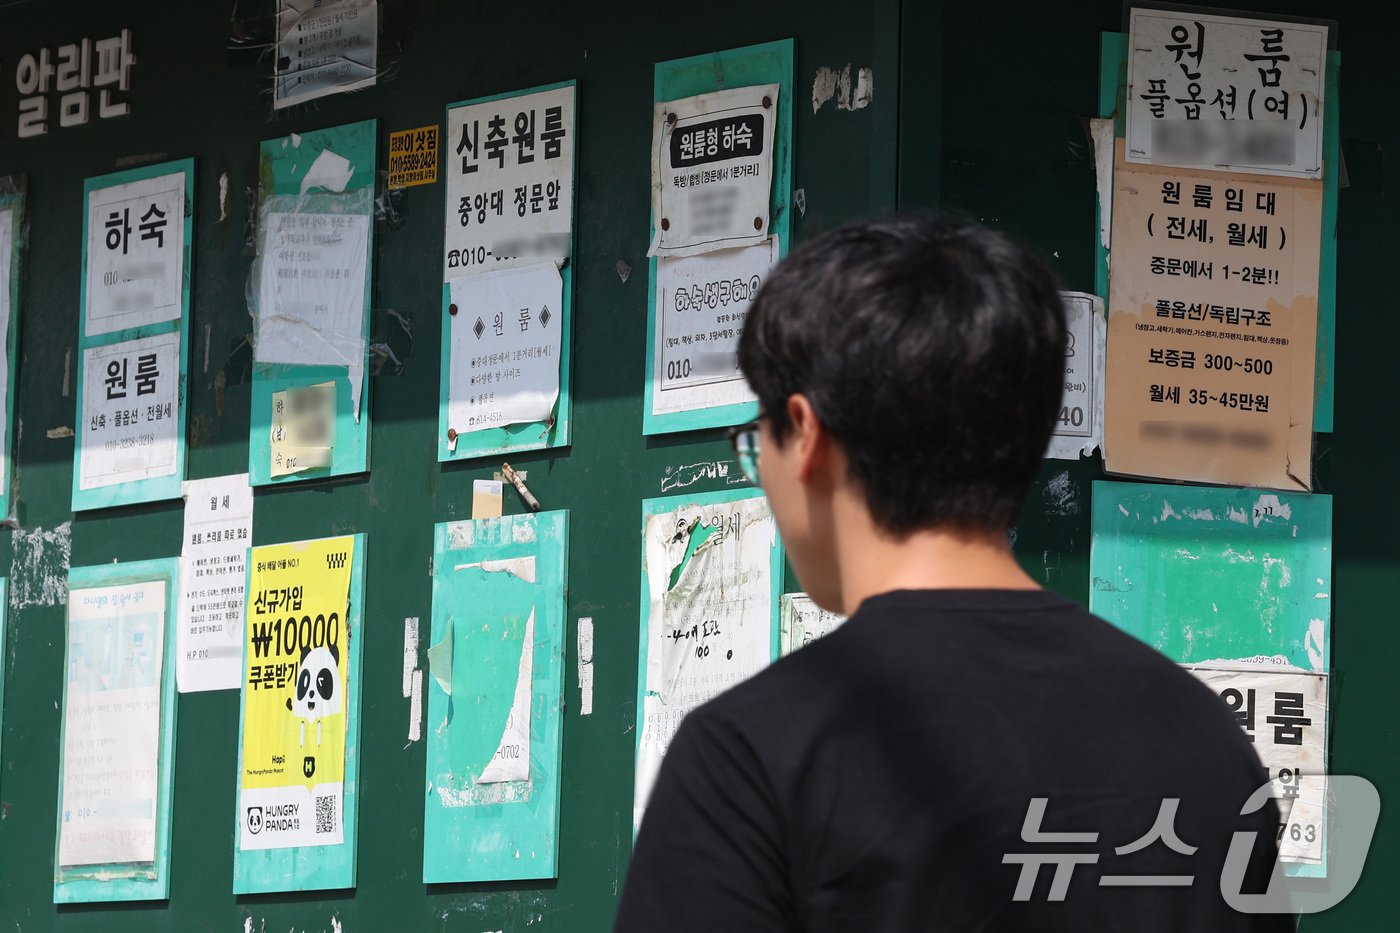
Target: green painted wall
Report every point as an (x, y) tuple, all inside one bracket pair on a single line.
[(980, 105), (193, 96)]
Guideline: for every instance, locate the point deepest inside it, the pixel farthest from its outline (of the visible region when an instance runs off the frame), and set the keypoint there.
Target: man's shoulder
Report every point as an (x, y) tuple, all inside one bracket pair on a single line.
[(918, 656)]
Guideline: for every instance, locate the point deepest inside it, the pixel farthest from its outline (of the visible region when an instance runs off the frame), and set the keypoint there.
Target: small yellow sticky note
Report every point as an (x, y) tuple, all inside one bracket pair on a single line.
[(303, 428), (413, 157), (486, 498)]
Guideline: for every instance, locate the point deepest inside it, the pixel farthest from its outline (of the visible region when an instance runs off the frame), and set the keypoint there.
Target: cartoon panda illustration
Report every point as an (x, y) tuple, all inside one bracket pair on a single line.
[(318, 688)]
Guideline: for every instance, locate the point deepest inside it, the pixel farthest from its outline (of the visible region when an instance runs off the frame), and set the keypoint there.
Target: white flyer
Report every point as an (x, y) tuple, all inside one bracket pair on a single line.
[(585, 665), (712, 170), (311, 293), (1226, 93), (509, 165), (801, 622), (218, 532), (506, 344), (131, 403), (709, 622), (1284, 713), (701, 303), (1079, 425), (511, 762), (324, 47), (135, 254), (111, 725)]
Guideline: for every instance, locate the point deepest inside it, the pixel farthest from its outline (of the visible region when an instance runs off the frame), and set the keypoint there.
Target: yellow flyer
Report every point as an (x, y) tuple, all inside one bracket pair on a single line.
[(294, 694)]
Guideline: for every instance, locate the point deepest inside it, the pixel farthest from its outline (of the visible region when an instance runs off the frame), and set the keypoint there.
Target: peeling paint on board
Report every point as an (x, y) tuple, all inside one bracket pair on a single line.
[(683, 475), (824, 86), (1224, 573), (410, 653), (479, 795), (1269, 505), (1101, 132), (829, 84), (585, 665), (1317, 653), (1262, 661), (1285, 574), (415, 708), (39, 573), (1061, 496), (861, 94)]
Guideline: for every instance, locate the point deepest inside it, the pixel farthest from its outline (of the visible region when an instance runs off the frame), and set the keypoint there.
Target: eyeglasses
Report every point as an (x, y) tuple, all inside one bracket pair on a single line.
[(744, 440)]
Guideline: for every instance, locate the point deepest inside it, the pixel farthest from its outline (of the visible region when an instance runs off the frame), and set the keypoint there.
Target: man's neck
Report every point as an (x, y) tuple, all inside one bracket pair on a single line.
[(873, 561)]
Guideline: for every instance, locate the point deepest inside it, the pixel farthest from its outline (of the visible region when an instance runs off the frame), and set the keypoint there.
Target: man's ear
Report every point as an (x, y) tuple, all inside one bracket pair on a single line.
[(809, 437)]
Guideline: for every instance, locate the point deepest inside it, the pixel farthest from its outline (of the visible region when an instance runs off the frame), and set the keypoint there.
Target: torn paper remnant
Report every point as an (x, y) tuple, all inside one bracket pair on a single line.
[(511, 762)]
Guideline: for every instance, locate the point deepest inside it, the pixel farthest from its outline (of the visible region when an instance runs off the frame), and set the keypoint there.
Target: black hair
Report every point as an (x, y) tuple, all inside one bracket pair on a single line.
[(932, 351)]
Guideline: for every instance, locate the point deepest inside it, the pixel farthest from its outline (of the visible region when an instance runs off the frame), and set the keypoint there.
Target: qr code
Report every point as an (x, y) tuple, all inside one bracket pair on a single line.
[(325, 814)]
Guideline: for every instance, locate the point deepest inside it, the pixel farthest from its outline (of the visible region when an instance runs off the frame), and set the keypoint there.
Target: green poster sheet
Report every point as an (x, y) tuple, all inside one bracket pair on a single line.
[(494, 683), (117, 744), (311, 294), (1228, 582), (706, 303), (1215, 573)]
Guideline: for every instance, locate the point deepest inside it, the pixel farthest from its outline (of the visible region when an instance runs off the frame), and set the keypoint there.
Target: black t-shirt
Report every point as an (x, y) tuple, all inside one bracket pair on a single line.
[(878, 780)]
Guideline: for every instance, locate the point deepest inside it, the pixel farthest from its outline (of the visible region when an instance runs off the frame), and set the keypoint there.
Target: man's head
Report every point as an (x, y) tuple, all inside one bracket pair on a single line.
[(913, 364)]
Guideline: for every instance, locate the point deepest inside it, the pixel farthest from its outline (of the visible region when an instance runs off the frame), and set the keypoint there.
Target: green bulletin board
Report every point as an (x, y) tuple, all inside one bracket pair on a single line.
[(323, 172), (970, 136), (1238, 577), (124, 882), (206, 97), (158, 487), (495, 582), (770, 63), (535, 435), (1213, 573)]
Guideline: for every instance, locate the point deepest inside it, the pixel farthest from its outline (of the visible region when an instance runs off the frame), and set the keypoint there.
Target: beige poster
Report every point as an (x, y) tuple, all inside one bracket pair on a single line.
[(1212, 326)]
